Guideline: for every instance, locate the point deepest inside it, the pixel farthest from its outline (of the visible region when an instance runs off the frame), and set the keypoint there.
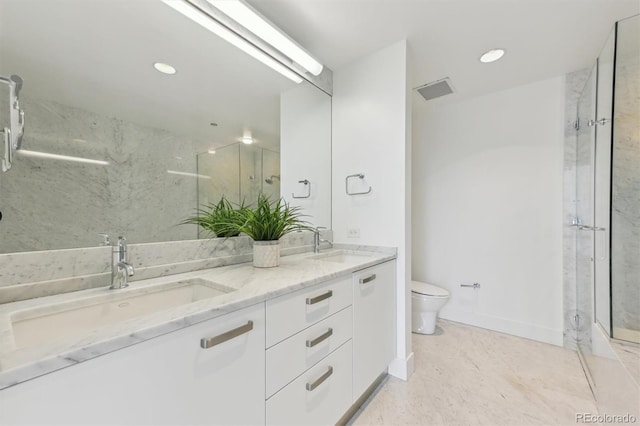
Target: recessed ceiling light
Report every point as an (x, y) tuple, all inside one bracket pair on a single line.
[(247, 140), (211, 151), (164, 68), (492, 55)]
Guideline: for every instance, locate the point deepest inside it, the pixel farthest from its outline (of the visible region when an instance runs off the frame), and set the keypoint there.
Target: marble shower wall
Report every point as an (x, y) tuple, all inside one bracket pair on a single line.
[(625, 211), (55, 204), (574, 83)]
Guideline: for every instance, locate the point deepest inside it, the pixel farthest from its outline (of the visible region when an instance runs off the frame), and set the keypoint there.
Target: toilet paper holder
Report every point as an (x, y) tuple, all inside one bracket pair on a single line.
[(474, 285)]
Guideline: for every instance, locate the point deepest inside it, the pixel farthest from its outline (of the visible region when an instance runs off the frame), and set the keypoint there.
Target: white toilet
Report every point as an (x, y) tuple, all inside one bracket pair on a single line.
[(426, 301)]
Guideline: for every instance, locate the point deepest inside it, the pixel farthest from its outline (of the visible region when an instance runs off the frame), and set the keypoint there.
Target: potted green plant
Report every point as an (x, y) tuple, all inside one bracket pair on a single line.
[(266, 224), (221, 219)]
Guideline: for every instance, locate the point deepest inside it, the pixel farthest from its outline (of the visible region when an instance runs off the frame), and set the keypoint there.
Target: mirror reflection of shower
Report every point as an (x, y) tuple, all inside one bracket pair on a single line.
[(239, 172), (270, 179)]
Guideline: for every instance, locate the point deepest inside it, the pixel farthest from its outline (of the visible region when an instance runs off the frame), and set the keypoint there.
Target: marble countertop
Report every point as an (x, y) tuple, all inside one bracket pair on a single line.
[(250, 286)]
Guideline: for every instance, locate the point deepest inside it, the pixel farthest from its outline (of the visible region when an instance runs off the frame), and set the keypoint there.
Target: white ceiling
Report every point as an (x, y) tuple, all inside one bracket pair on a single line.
[(543, 38), (98, 54)]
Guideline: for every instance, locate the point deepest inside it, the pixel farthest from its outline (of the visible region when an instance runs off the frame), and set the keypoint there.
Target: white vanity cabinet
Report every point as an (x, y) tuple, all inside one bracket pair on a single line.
[(374, 324), (309, 356), (170, 379)]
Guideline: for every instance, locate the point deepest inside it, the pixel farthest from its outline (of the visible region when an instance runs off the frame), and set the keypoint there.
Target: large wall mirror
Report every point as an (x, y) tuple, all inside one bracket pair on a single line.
[(113, 145)]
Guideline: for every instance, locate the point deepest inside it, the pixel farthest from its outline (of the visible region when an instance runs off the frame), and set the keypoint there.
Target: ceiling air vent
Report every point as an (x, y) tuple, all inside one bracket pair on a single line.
[(435, 89)]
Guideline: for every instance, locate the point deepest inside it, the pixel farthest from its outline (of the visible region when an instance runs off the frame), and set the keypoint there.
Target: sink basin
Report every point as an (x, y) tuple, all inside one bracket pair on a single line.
[(343, 256), (52, 323)]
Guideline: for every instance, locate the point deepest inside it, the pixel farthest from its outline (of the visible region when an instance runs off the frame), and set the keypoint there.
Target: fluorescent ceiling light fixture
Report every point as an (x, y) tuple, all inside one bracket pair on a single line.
[(164, 68), (246, 16), (226, 34), (61, 157), (195, 175), (211, 151), (247, 140), (492, 55)]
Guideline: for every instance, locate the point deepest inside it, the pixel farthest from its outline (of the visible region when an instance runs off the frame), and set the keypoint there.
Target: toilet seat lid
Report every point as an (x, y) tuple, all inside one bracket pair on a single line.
[(428, 289)]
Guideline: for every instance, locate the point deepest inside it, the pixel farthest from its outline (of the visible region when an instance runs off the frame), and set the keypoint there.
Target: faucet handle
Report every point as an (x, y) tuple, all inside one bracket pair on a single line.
[(318, 228), (122, 242), (106, 241)]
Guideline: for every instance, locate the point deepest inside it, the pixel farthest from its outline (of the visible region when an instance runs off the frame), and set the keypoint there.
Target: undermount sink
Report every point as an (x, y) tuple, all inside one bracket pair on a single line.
[(343, 256), (51, 323)]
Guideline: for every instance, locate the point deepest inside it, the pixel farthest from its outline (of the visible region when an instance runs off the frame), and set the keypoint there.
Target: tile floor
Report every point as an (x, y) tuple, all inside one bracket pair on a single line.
[(470, 376)]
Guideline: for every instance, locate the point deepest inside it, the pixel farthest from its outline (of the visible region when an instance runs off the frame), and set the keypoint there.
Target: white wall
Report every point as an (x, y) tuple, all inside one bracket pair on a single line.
[(371, 135), (487, 207), (305, 133)]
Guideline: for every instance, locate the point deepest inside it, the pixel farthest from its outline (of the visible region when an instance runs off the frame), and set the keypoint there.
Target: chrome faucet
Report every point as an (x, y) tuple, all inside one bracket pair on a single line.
[(121, 270), (317, 240)]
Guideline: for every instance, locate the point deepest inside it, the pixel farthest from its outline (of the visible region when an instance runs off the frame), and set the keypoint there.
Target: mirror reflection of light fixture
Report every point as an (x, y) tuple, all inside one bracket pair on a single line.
[(211, 151), (195, 175), (249, 18), (38, 154), (247, 140), (191, 12)]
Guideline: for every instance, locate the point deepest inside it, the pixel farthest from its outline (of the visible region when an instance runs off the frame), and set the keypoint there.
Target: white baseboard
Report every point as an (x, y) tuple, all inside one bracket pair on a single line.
[(402, 368), (515, 328)]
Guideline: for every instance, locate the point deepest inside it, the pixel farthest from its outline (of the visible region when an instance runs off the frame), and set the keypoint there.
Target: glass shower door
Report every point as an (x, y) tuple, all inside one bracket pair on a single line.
[(584, 197)]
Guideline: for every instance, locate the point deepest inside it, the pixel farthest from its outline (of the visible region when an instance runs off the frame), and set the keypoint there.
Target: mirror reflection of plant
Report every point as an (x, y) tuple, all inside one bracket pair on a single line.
[(271, 220), (221, 219)]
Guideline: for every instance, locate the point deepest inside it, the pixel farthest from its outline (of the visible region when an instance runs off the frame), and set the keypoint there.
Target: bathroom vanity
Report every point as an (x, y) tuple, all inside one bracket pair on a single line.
[(297, 344)]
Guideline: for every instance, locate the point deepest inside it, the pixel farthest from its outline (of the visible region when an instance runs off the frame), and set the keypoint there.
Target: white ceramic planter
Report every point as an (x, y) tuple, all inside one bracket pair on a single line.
[(266, 254)]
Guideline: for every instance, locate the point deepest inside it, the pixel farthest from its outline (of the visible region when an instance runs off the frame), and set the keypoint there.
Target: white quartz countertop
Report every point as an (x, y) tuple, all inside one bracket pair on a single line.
[(250, 286)]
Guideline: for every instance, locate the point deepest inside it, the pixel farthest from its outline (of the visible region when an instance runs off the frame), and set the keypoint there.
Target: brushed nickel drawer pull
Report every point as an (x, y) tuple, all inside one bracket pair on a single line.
[(316, 299), (368, 279), (221, 338), (323, 336), (320, 380)]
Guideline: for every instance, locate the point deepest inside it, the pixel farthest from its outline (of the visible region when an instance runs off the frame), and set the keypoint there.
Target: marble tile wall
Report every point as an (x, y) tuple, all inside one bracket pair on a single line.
[(53, 204), (625, 211), (36, 274), (574, 83)]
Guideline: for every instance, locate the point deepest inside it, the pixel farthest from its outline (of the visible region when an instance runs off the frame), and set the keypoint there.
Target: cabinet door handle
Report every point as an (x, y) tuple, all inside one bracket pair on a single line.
[(206, 343), (368, 279), (316, 299), (323, 336), (320, 380)]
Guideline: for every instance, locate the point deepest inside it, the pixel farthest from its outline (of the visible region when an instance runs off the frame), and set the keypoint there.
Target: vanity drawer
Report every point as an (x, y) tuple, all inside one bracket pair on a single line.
[(288, 314), (291, 357), (320, 396)]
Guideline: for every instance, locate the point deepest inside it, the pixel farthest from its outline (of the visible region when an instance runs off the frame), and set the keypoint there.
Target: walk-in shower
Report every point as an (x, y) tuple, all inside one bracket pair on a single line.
[(238, 172), (606, 220)]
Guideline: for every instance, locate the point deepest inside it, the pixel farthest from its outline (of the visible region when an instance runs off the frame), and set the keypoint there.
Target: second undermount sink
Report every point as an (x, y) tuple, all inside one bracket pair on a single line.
[(342, 256), (51, 323)]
